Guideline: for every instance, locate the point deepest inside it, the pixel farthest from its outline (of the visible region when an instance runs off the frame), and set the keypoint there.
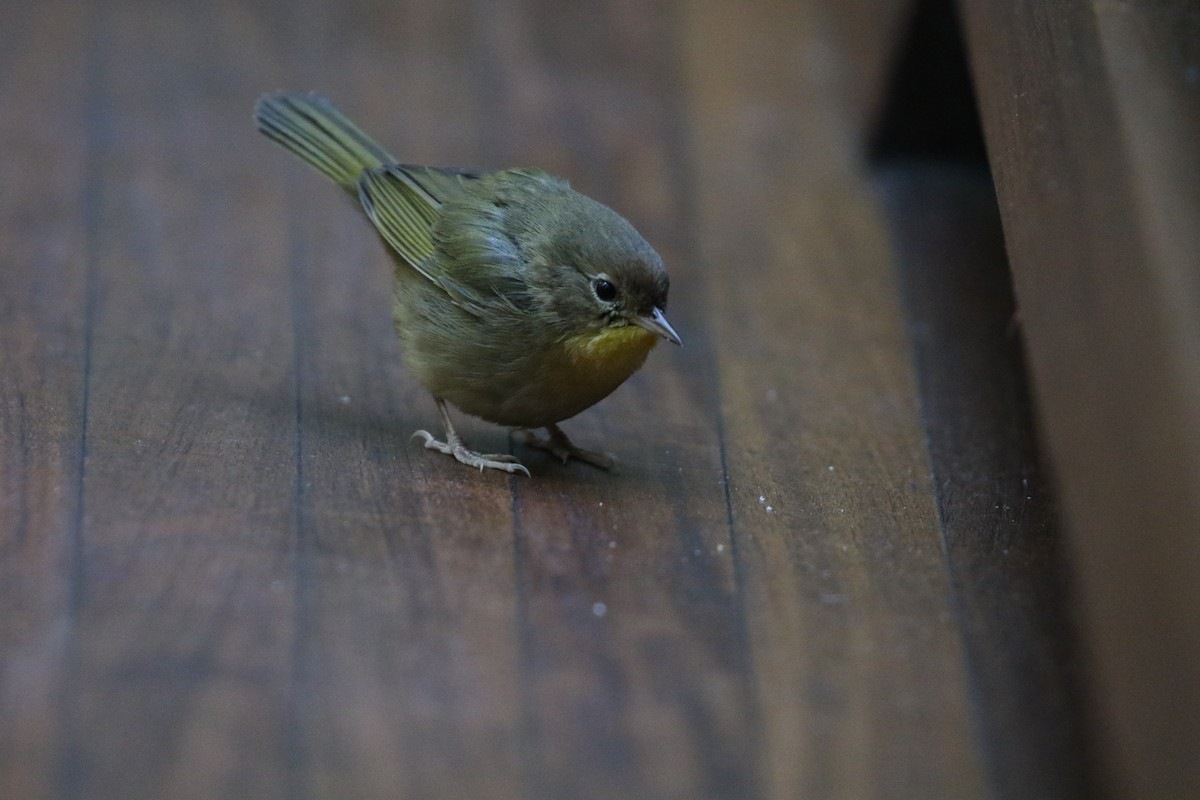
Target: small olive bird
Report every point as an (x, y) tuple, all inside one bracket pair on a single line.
[(516, 298)]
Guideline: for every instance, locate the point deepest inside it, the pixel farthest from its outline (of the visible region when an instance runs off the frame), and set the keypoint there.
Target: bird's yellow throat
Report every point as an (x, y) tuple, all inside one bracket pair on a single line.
[(618, 349)]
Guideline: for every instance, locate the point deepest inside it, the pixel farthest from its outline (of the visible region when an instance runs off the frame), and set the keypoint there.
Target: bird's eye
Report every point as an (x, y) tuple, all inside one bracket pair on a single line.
[(604, 290)]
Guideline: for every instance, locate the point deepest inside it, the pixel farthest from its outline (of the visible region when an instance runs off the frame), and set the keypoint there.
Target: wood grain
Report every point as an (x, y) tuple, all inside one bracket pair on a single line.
[(45, 197), (228, 572), (1090, 111), (998, 507), (183, 627), (858, 663)]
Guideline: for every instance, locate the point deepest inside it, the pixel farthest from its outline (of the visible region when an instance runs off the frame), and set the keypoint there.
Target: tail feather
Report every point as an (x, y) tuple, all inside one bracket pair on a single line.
[(312, 128)]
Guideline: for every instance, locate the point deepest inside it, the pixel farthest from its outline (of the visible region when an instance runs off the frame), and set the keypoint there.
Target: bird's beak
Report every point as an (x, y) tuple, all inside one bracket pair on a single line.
[(657, 323)]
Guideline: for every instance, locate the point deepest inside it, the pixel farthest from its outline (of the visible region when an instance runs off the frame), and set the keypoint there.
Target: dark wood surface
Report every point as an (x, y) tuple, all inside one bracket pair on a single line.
[(996, 504), (1092, 116), (828, 566)]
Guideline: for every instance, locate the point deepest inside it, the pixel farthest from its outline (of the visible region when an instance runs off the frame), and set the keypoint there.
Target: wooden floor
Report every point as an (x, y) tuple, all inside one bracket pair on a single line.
[(828, 568)]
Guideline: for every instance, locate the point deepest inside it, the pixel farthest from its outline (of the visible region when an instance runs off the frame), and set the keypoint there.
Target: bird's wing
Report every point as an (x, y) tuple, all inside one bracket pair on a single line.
[(404, 203), (442, 183)]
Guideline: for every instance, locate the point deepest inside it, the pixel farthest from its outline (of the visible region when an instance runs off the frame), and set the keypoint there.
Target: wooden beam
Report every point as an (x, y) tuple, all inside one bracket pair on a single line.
[(1091, 114)]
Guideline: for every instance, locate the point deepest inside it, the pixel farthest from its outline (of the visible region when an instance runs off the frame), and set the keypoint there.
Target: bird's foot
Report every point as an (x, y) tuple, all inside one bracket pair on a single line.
[(561, 448), (454, 446)]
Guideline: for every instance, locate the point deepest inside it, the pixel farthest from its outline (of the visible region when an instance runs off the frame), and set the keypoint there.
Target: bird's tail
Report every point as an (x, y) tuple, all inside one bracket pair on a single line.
[(312, 128)]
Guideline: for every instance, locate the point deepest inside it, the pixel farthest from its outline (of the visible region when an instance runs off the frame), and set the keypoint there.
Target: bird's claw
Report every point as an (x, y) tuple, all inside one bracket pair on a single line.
[(558, 445), (454, 446)]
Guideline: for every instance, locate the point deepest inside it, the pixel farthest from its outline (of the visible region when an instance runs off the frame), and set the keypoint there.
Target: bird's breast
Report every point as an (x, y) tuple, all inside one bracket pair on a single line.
[(557, 383), (593, 364), (611, 354)]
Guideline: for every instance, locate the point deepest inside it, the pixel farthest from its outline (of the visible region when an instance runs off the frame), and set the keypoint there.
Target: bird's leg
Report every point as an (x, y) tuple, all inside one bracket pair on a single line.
[(558, 444), (455, 446)]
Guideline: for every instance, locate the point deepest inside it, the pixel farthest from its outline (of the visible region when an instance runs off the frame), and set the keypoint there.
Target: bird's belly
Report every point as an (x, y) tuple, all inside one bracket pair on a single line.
[(595, 364), (568, 377)]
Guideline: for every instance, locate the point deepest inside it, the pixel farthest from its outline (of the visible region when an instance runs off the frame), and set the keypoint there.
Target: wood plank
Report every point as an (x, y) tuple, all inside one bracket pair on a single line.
[(1090, 112), (859, 666), (998, 510), (44, 263), (179, 654), (634, 673), (406, 669)]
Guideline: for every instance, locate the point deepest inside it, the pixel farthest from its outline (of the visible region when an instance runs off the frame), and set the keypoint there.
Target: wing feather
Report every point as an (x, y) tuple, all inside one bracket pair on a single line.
[(404, 212)]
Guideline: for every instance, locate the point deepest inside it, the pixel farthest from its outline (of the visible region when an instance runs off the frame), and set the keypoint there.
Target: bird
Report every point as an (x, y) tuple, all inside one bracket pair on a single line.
[(516, 299)]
